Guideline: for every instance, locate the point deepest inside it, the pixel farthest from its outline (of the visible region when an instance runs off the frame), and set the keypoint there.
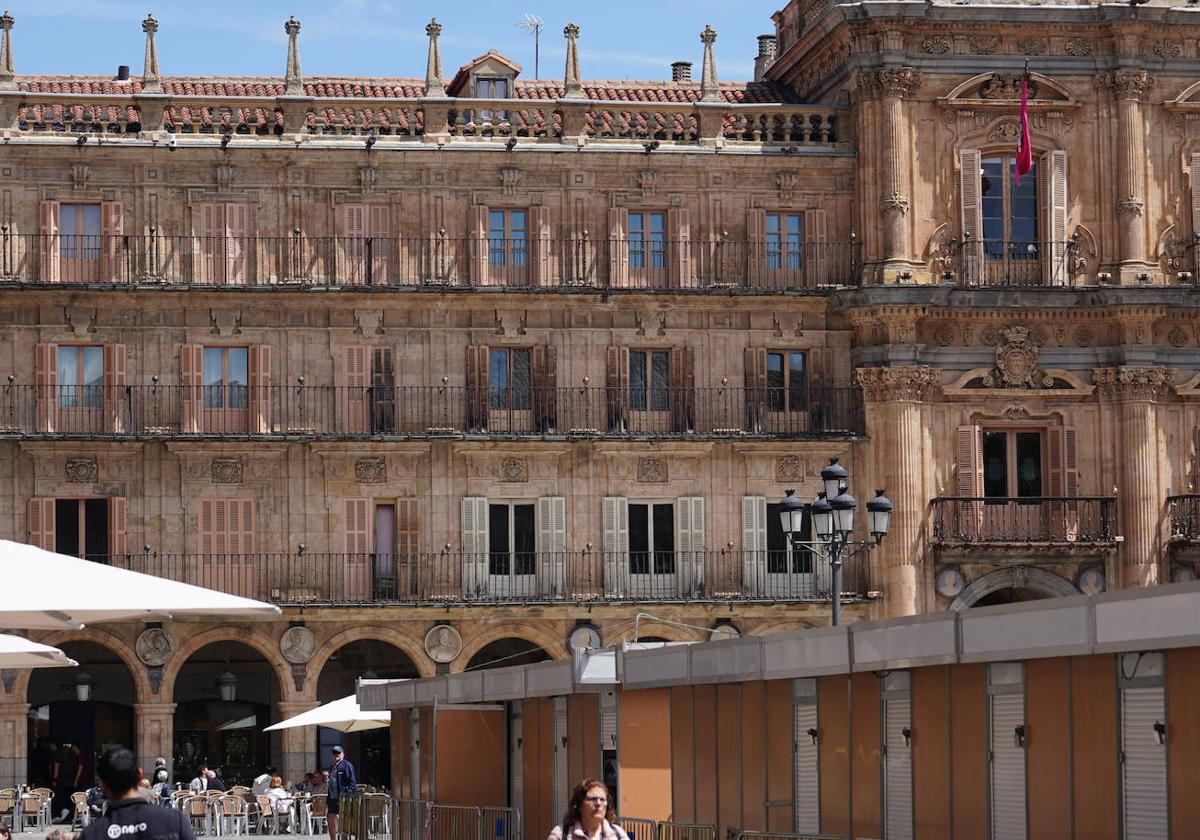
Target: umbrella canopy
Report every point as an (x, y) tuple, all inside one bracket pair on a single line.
[(48, 591), (343, 715), (17, 652)]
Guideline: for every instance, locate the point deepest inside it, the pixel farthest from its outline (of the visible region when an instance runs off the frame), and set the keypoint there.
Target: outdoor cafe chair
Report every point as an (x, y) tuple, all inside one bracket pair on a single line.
[(81, 817), (32, 812), (196, 808), (8, 805), (318, 809), (47, 797), (234, 815)]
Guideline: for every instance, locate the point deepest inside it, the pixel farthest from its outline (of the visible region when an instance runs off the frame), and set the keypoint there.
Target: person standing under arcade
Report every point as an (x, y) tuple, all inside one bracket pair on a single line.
[(341, 780)]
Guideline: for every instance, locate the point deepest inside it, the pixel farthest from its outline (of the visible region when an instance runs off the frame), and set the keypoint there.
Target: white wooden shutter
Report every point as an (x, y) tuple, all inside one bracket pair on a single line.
[(615, 528), (754, 544), (551, 544), (1144, 764), (806, 772), (689, 542), (561, 768), (1054, 164), (897, 770), (474, 544), (516, 772), (1007, 771), (970, 193)]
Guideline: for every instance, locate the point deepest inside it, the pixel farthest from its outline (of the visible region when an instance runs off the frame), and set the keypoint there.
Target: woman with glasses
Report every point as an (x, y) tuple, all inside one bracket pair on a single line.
[(590, 815)]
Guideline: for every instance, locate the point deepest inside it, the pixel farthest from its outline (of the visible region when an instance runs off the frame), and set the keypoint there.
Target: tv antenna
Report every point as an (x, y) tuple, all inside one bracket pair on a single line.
[(533, 25)]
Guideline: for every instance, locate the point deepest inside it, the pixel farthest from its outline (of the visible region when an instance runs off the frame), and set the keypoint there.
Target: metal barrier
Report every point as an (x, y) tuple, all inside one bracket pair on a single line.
[(639, 829), (365, 816), (410, 819), (734, 834), (417, 819), (686, 831)]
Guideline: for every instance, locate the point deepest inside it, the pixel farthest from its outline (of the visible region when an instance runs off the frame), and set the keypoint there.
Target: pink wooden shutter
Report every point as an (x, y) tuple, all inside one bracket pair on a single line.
[(407, 547), (679, 246), (618, 247), (45, 377), (115, 402), (116, 527), (206, 525), (260, 388), (544, 372), (682, 367), (237, 245), (383, 246), (191, 381), (478, 221), (49, 250), (478, 372), (355, 391), (356, 525), (539, 246), (354, 232), (240, 527), (1063, 480), (40, 523), (617, 388), (211, 246), (756, 249), (112, 245), (755, 392), (816, 250)]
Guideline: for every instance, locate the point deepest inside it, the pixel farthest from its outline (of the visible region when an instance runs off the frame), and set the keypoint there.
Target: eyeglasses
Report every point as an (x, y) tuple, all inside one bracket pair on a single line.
[(597, 800)]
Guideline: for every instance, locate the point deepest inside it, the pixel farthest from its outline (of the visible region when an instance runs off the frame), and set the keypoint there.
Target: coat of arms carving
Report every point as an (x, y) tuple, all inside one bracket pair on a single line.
[(1017, 362)]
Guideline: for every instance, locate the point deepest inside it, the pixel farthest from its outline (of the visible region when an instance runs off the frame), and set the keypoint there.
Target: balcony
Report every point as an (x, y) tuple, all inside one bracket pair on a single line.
[(1185, 518), (1060, 523), (1022, 264), (447, 578), (433, 262), (306, 412)]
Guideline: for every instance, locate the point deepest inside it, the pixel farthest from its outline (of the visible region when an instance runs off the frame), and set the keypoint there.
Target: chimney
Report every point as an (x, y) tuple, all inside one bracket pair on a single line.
[(122, 73), (767, 48), (681, 71)]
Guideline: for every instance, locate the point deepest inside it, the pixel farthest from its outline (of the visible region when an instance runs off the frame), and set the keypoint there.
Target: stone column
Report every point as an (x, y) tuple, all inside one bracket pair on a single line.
[(894, 419), (1139, 495), (298, 743), (154, 724), (14, 736), (1129, 88)]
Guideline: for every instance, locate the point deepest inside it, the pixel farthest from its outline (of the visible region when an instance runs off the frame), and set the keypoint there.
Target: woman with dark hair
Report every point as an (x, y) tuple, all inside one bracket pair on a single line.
[(590, 815)]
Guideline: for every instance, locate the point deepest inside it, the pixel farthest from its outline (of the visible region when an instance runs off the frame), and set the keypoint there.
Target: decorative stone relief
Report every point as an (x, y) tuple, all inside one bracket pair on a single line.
[(943, 335), (1133, 383), (368, 322), (225, 322), (514, 470), (154, 646), (1127, 84), (984, 44), (81, 173), (367, 175), (647, 181), (9, 677), (1083, 336), (370, 471), (1178, 337), (443, 643), (901, 81), (786, 184), (651, 470), (1005, 86), (227, 471), (509, 177), (82, 471), (79, 318), (1168, 48), (789, 468), (297, 644), (1032, 46), (1017, 362), (1078, 46), (894, 203), (223, 174), (888, 384), (936, 45)]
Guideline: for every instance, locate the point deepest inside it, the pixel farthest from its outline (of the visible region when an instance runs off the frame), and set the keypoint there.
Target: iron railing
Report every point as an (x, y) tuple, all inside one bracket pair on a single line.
[(995, 262), (509, 577), (417, 819), (305, 411), (1185, 517), (437, 262), (1078, 520)]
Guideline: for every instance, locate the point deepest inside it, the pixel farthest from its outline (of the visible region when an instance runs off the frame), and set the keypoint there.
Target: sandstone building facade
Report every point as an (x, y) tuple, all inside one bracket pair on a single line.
[(473, 370)]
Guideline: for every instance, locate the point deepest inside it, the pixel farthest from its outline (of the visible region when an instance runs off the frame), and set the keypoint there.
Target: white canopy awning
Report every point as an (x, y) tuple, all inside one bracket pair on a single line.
[(343, 715), (18, 652), (41, 590)]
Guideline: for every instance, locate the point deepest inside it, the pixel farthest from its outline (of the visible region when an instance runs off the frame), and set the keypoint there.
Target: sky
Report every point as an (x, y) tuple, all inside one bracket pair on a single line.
[(621, 39)]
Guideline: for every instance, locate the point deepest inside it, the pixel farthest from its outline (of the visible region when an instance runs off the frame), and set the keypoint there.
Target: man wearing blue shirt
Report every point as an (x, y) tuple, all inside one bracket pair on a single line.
[(341, 780)]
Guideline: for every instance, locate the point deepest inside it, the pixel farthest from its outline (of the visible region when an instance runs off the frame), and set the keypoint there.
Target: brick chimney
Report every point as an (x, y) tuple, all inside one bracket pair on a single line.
[(767, 49), (681, 71)]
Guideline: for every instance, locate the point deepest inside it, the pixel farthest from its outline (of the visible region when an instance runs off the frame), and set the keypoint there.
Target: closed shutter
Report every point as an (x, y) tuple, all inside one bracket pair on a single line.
[(356, 528), (353, 253), (544, 372), (682, 384), (816, 250), (1007, 770), (754, 544), (112, 241), (211, 246), (237, 244), (516, 761), (679, 247), (971, 200), (689, 542), (260, 389), (478, 371), (756, 248), (227, 527), (40, 523), (1063, 480), (1195, 197), (897, 770), (539, 246), (551, 544), (115, 401), (806, 772), (241, 526), (382, 246), (608, 720), (354, 392), (207, 525), (1143, 765), (117, 507), (561, 780), (478, 224), (1054, 164), (755, 390), (191, 378), (408, 546), (414, 756), (45, 377), (474, 544), (615, 528), (49, 244), (617, 389), (618, 247)]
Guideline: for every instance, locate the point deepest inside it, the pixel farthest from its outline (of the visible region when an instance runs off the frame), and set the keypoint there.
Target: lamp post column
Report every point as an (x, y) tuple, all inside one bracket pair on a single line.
[(835, 561)]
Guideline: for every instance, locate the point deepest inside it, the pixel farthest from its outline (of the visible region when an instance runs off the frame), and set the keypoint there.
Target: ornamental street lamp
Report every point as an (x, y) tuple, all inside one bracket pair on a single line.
[(832, 515)]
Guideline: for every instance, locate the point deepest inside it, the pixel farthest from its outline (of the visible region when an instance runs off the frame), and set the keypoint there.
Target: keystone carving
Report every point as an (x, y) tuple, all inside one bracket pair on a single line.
[(227, 471), (82, 471), (889, 384), (1133, 383), (514, 470), (1017, 362), (1005, 86)]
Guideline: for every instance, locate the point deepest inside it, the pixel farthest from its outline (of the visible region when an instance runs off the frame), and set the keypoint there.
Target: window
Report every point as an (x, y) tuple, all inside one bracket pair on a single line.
[(782, 556), (80, 377), (1010, 212), (226, 377), (226, 526), (510, 379), (652, 538), (508, 242), (512, 536), (81, 527), (785, 240), (491, 88), (649, 380), (785, 381), (647, 240), (79, 232), (1012, 464)]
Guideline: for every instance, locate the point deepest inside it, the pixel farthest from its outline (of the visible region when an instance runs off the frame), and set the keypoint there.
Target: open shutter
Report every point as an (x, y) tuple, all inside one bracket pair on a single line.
[(237, 245), (552, 544), (478, 223), (39, 515), (117, 507), (408, 547), (756, 249), (806, 770), (617, 389), (682, 374), (679, 246), (353, 252), (49, 244), (112, 241), (968, 478), (689, 543), (382, 245), (618, 247), (260, 389), (615, 527), (970, 196), (1195, 202), (211, 245), (755, 390), (1054, 165), (545, 380), (354, 394), (474, 544), (819, 380), (478, 372), (816, 250), (115, 398), (1063, 480), (45, 377), (191, 375), (1143, 764), (754, 544), (539, 245), (1195, 473)]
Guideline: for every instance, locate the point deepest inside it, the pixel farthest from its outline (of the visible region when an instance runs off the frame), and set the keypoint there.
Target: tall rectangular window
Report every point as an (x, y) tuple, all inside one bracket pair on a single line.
[(510, 381), (785, 381), (1012, 464), (782, 556), (80, 377), (1010, 215), (79, 232), (649, 380), (512, 539), (785, 240), (651, 538), (508, 238), (226, 377), (647, 240), (81, 528), (491, 88)]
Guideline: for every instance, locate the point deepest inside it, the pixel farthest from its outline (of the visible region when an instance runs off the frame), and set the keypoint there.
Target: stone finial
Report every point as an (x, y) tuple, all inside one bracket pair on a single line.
[(433, 64), (151, 83), (572, 86), (7, 76), (710, 90), (294, 82)]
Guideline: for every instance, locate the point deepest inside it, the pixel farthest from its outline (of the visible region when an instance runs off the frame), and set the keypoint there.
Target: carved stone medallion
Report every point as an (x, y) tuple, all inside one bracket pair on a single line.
[(514, 470), (651, 470), (788, 468), (984, 44), (443, 643), (82, 471), (297, 644), (936, 45), (227, 471), (370, 471), (154, 646)]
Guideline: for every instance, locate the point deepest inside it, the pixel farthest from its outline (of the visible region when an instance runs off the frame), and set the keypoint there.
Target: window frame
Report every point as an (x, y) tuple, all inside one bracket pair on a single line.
[(511, 249), (788, 396), (642, 399), (79, 387), (1006, 246), (77, 248), (516, 563), (226, 388), (647, 247), (1011, 467), (81, 514), (653, 561), (784, 247), (508, 393)]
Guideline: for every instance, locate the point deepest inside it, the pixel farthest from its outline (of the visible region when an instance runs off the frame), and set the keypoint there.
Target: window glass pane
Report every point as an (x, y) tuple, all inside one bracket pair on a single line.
[(995, 464), (517, 222), (497, 238), (658, 222), (637, 380), (658, 240), (237, 369), (772, 223), (91, 220), (214, 377), (664, 539), (66, 527), (660, 381), (93, 376), (797, 393), (795, 223), (498, 381), (95, 529), (639, 539), (68, 377), (1029, 463), (636, 222), (775, 382), (522, 381), (498, 540), (524, 532), (68, 219), (777, 547)]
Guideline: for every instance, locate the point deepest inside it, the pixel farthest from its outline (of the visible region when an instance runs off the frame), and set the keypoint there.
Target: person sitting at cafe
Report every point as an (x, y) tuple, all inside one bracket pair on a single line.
[(320, 783), (281, 801), (96, 801)]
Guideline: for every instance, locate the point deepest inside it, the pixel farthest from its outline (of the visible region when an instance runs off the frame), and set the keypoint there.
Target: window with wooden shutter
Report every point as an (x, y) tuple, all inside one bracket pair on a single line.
[(383, 391), (381, 245), (968, 477), (115, 396), (1054, 165), (408, 547), (539, 246), (40, 523), (689, 517), (618, 247), (353, 222), (49, 242), (224, 243), (615, 545), (617, 389), (817, 265), (85, 257), (227, 527), (113, 252), (478, 234), (354, 392), (971, 205), (117, 507), (260, 389), (1195, 181), (544, 370), (755, 389), (356, 528), (756, 249), (552, 544), (191, 376), (45, 377), (1063, 468), (475, 547), (679, 234), (682, 385), (508, 247), (477, 390), (754, 548)]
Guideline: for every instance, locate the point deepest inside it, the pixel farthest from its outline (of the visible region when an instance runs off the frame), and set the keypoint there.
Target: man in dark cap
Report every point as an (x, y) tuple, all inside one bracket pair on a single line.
[(130, 816), (341, 780)]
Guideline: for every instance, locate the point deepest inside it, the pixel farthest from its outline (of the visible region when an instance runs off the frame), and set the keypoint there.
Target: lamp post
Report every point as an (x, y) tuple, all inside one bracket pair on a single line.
[(832, 515)]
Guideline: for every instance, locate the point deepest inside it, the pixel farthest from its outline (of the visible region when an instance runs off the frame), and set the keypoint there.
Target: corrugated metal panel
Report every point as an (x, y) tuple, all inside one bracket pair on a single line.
[(414, 752), (1007, 767), (608, 720), (897, 770), (516, 756), (560, 755), (807, 776), (1144, 767)]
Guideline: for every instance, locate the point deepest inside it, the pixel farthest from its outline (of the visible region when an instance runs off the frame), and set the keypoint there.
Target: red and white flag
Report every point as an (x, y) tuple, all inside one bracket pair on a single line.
[(1024, 162)]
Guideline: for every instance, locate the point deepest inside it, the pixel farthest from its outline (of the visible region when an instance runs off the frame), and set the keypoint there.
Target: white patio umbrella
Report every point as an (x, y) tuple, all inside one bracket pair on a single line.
[(42, 590), (18, 652), (343, 715)]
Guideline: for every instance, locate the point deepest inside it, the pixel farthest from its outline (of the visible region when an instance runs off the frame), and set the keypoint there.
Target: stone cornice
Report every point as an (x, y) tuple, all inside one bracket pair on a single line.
[(1133, 384), (891, 384)]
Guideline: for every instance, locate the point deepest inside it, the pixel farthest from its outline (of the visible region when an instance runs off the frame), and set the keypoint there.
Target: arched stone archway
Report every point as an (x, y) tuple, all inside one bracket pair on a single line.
[(507, 652), (412, 648), (780, 627), (141, 679), (651, 630), (245, 635), (1036, 582), (555, 648)]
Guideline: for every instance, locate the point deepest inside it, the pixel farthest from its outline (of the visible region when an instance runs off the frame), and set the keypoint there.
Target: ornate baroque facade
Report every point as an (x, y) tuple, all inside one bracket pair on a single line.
[(460, 370)]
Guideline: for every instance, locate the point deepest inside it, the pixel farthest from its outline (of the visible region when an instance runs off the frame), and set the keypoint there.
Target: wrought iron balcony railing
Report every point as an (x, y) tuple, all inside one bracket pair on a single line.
[(423, 411), (1185, 517), (573, 263), (1031, 520), (510, 577), (994, 262)]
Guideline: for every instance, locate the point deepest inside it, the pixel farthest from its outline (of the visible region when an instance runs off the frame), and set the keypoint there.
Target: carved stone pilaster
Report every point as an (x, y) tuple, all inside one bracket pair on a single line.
[(889, 384), (1133, 384), (902, 82), (1128, 84)]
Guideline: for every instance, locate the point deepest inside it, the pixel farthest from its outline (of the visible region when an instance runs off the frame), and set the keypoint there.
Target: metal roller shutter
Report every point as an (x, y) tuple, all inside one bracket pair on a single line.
[(414, 752), (807, 771), (608, 720), (516, 758), (1007, 767), (1144, 764), (897, 770), (561, 783)]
